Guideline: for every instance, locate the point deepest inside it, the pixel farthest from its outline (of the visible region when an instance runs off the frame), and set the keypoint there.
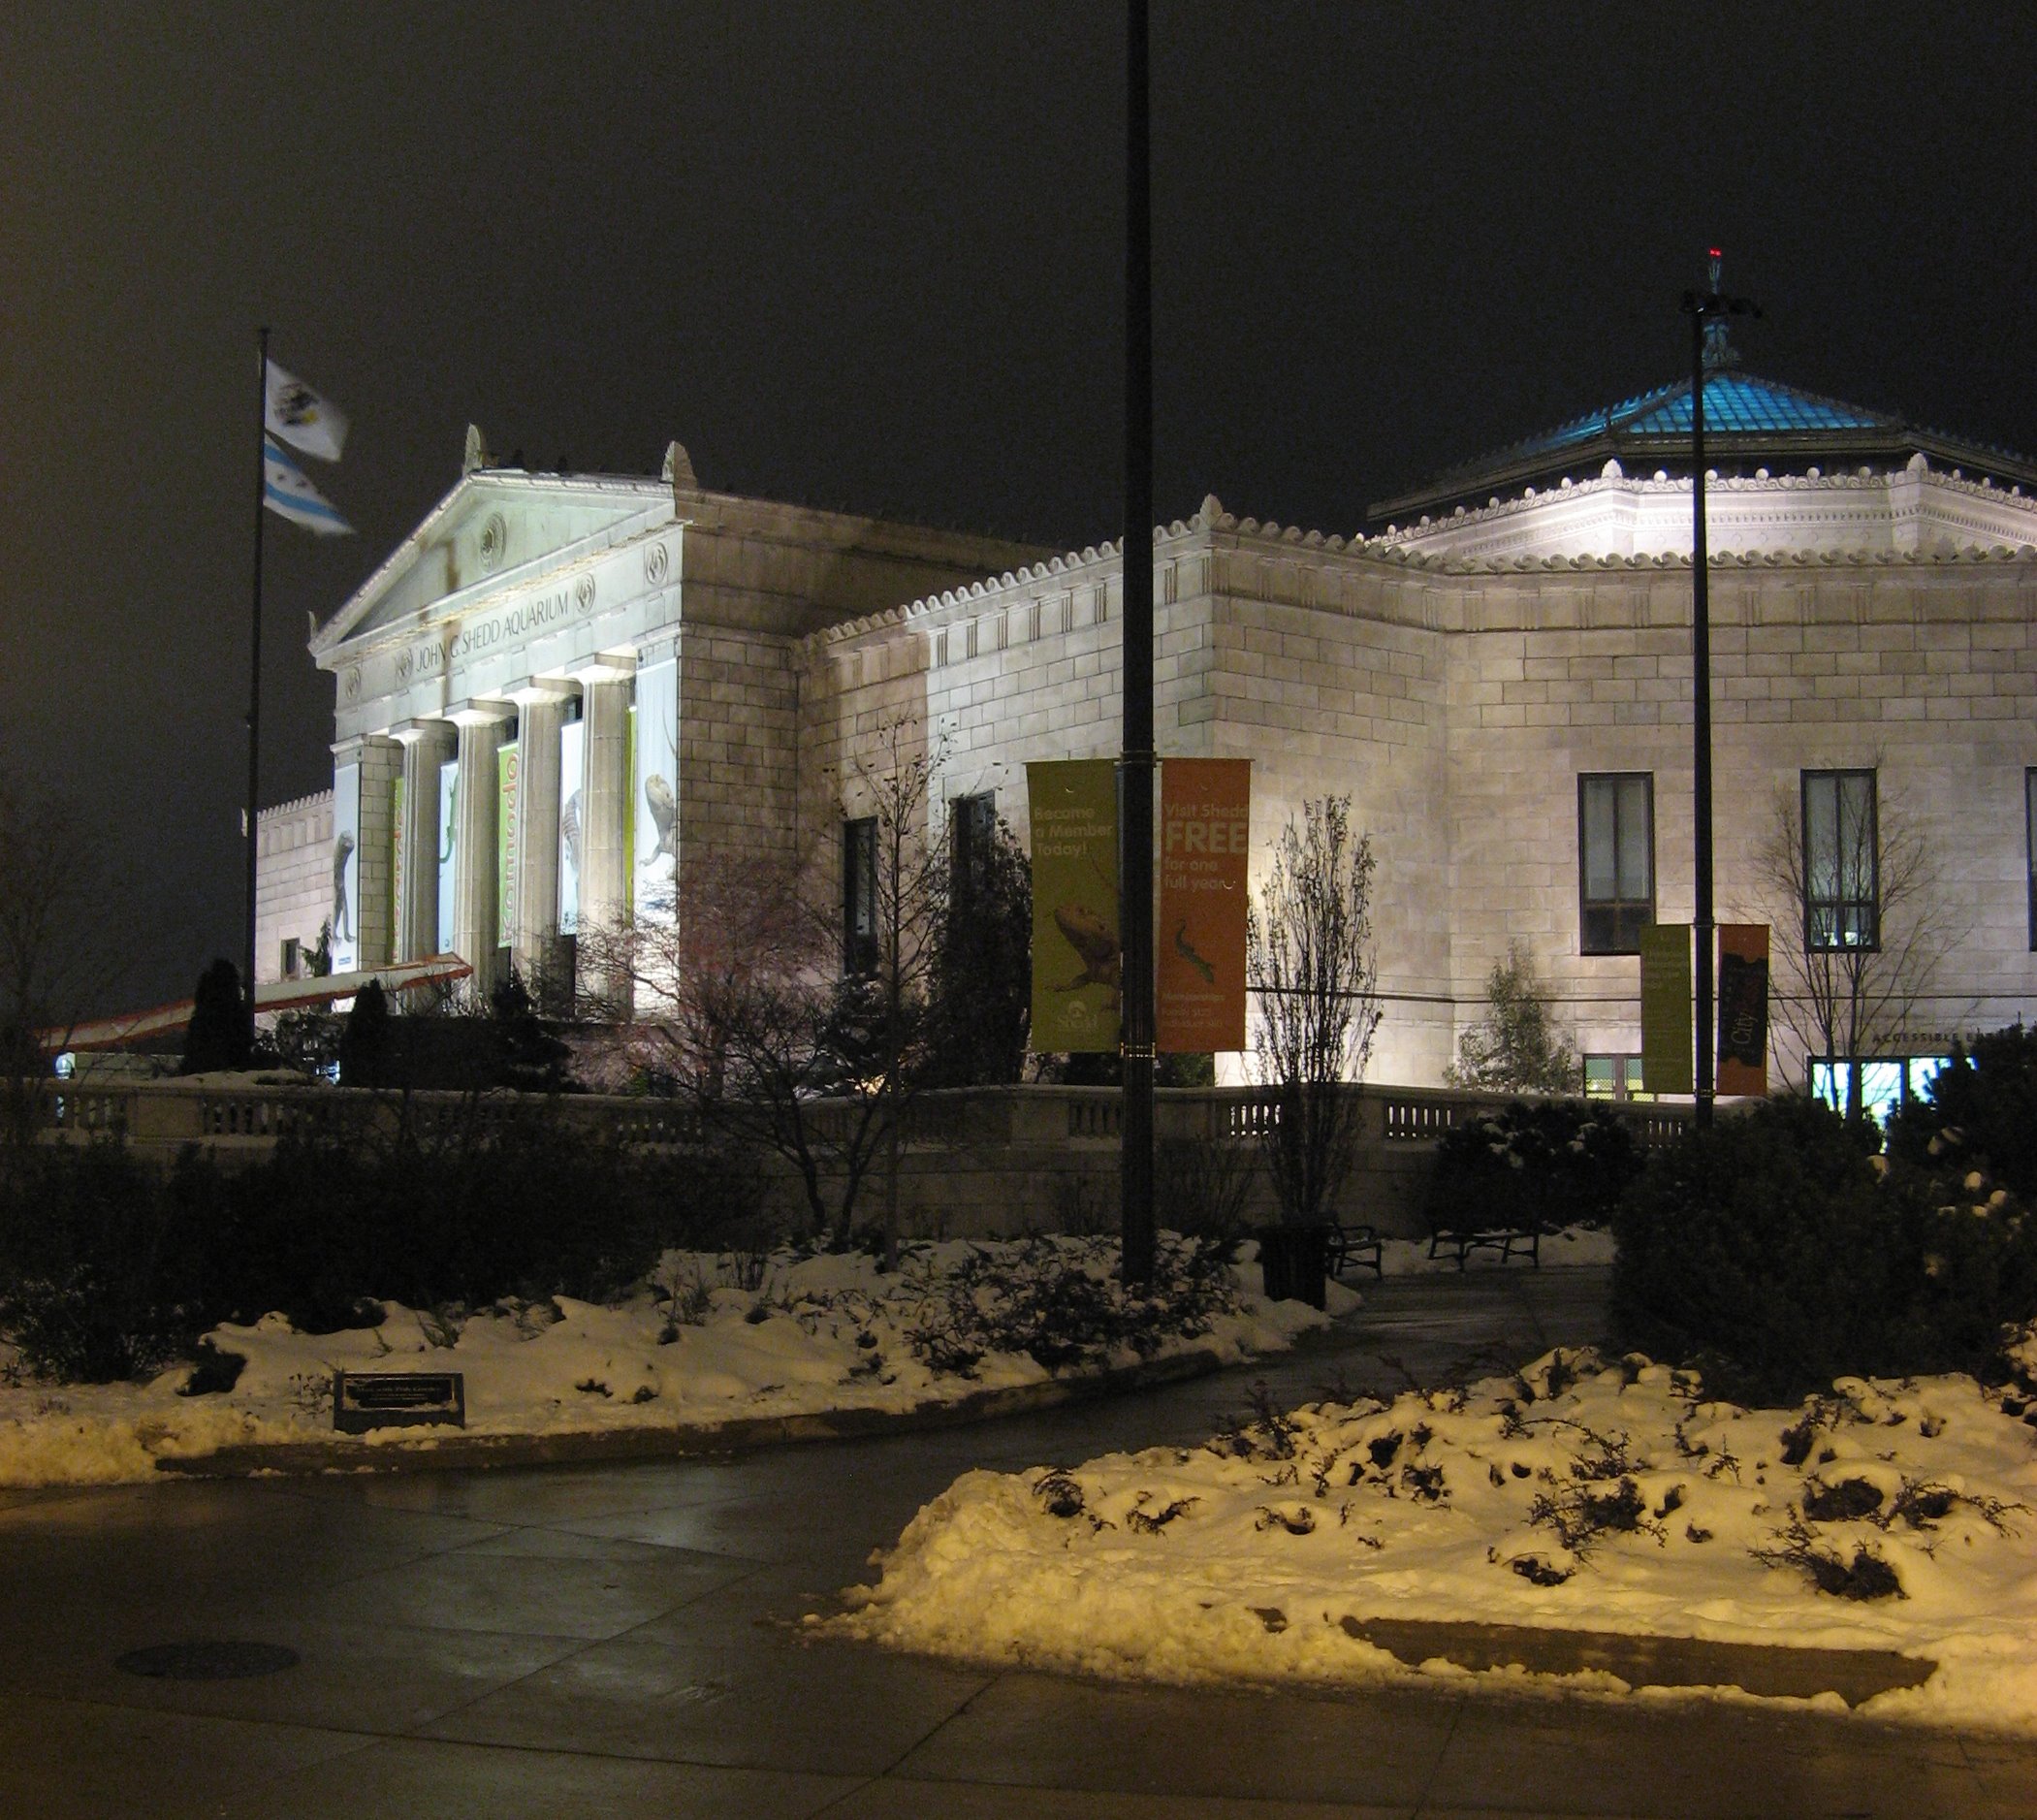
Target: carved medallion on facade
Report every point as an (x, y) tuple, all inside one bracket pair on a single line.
[(583, 593), (350, 687), (495, 535), (657, 560), (404, 666)]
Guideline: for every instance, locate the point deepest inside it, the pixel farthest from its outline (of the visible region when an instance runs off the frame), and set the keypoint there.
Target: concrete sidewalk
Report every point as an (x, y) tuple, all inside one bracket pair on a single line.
[(622, 1640)]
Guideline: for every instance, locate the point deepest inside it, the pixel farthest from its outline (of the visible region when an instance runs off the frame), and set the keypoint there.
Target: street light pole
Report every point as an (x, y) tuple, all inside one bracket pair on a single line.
[(1136, 767), (1707, 311)]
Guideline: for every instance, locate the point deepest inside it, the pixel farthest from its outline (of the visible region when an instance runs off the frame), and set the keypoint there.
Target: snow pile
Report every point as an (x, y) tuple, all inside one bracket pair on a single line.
[(709, 1339), (1576, 1494)]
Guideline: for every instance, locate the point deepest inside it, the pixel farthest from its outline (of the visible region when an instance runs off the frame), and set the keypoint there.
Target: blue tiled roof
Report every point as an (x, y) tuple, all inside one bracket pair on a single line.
[(1735, 404)]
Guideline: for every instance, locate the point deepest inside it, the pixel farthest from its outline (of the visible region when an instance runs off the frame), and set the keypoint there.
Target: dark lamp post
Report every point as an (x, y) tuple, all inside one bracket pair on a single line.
[(1137, 768), (1710, 350)]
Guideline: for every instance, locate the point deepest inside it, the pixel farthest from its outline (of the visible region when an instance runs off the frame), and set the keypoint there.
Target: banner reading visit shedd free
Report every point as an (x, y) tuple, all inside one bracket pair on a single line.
[(1077, 964), (1666, 1008), (1205, 822)]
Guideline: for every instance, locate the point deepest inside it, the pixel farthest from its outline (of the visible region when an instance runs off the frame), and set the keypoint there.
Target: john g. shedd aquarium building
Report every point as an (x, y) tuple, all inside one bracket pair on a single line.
[(567, 698)]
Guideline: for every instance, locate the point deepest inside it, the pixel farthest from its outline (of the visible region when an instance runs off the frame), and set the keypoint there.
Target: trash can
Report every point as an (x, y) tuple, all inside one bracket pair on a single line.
[(1294, 1261)]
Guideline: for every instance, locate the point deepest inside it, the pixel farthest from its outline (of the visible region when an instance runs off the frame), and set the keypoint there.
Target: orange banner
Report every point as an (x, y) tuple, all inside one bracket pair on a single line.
[(1744, 1009), (1205, 828)]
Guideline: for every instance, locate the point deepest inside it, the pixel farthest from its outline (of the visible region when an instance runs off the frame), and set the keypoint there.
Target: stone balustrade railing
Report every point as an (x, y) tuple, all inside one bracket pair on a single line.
[(172, 1113)]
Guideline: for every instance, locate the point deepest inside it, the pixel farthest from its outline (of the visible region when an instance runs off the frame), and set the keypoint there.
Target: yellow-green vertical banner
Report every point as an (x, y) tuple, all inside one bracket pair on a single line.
[(1205, 825), (508, 786), (1666, 1008), (398, 939), (1077, 963)]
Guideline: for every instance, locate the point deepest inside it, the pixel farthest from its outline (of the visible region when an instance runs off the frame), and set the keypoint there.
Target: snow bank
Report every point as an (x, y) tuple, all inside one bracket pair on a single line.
[(1574, 1494), (813, 1335)]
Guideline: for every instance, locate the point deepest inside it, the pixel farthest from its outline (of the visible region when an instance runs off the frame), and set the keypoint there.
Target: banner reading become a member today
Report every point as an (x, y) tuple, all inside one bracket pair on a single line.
[(1205, 818), (1077, 963), (1666, 1008)]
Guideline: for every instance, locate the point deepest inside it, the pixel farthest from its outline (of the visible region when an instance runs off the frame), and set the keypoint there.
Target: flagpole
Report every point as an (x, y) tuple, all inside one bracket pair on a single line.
[(254, 670)]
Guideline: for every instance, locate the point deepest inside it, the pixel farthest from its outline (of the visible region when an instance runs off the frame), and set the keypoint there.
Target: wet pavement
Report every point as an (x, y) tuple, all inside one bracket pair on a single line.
[(616, 1640)]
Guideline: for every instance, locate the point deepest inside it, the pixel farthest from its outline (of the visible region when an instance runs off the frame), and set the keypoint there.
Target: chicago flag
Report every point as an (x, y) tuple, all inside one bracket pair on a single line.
[(297, 415)]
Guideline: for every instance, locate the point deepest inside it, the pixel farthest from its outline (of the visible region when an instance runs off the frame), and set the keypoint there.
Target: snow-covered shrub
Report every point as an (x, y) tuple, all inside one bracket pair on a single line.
[(1555, 1162), (109, 1268), (1061, 1302), (1979, 1112), (92, 1288), (1777, 1252)]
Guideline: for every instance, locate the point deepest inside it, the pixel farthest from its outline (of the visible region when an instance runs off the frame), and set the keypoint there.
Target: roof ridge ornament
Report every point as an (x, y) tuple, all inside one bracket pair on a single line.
[(1719, 351), (476, 456)]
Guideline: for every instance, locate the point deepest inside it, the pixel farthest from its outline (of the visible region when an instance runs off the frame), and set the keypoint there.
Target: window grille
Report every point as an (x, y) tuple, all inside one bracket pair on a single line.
[(1615, 860), (1842, 862)]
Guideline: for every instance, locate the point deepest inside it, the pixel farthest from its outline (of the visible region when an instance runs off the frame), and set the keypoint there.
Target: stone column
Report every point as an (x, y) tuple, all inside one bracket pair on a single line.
[(534, 941), (475, 936), (380, 756), (604, 868), (427, 744)]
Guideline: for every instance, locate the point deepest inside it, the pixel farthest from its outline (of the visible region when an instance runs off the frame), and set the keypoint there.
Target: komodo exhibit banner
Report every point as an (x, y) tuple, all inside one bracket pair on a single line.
[(1077, 963), (1205, 821), (1744, 1009)]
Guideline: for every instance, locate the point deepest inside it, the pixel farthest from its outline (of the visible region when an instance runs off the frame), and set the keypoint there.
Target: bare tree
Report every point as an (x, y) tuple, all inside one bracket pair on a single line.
[(57, 955), (790, 1027), (892, 779), (1859, 928), (1311, 963)]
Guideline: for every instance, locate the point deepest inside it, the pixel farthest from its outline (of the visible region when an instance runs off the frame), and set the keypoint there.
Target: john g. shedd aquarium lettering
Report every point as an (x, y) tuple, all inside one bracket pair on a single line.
[(530, 616)]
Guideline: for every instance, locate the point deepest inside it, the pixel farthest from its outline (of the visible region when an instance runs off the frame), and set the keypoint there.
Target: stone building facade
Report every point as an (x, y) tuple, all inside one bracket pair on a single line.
[(1499, 676)]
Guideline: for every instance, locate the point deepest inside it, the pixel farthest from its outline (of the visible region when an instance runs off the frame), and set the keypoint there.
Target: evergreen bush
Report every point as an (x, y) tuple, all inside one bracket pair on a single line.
[(1980, 1112), (92, 1288), (1530, 1166), (109, 1268), (1777, 1251)]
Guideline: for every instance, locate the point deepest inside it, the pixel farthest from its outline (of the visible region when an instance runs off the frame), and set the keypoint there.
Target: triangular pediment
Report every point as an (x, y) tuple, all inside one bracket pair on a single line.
[(496, 529)]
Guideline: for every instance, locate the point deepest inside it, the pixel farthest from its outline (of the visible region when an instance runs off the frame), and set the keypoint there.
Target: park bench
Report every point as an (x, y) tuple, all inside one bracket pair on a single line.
[(1352, 1248), (1509, 1241)]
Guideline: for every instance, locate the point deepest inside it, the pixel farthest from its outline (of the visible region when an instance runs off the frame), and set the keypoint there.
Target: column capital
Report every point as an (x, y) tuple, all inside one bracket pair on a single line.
[(481, 711), (540, 690), (416, 732), (351, 751), (606, 666)]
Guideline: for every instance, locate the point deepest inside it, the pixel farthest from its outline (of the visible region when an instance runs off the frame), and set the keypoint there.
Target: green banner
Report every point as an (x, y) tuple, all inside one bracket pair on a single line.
[(509, 779), (1666, 1008), (399, 949), (1077, 964)]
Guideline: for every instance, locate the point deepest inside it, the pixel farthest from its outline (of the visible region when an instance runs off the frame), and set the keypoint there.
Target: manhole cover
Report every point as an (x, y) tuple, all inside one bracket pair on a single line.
[(207, 1661)]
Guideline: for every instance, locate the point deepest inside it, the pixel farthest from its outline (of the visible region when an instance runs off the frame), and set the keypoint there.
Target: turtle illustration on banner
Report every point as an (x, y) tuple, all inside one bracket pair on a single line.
[(1096, 945)]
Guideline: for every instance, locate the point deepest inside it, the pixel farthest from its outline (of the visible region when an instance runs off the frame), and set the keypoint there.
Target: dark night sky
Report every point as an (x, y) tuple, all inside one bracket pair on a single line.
[(871, 256)]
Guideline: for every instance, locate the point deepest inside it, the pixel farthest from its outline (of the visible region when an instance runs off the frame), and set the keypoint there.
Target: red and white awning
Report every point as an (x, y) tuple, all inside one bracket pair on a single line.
[(274, 995)]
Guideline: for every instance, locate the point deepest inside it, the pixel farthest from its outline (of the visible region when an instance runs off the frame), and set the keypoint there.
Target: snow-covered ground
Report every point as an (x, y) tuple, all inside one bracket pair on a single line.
[(688, 1349), (1581, 1493)]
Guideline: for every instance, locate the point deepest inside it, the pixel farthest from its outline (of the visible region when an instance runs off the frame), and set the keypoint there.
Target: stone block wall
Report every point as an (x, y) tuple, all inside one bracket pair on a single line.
[(738, 756), (1923, 671), (294, 878)]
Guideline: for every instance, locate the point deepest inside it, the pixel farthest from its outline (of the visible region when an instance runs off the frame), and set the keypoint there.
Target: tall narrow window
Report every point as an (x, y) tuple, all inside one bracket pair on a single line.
[(2029, 847), (1841, 870), (971, 823), (859, 895), (1615, 860)]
